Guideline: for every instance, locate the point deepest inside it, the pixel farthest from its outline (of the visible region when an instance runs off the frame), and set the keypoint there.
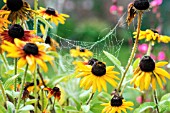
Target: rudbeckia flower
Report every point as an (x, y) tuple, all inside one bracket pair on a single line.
[(3, 20), (19, 9), (96, 76), (117, 105), (16, 31), (80, 52), (148, 73), (152, 35), (51, 42), (54, 92), (29, 53), (52, 15)]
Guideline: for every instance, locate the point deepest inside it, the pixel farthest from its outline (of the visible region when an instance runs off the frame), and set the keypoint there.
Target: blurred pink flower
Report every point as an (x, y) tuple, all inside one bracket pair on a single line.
[(139, 99), (161, 55), (156, 3), (143, 48), (113, 9), (139, 55)]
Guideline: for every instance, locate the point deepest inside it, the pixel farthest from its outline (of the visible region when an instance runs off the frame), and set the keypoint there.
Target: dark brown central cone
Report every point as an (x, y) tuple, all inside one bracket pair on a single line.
[(31, 48), (141, 4), (16, 31), (99, 69), (147, 64), (154, 31), (116, 101), (56, 89), (82, 50), (48, 40), (92, 61), (14, 5), (50, 11)]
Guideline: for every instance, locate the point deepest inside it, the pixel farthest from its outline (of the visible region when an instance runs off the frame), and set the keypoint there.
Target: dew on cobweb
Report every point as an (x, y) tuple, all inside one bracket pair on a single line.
[(111, 42)]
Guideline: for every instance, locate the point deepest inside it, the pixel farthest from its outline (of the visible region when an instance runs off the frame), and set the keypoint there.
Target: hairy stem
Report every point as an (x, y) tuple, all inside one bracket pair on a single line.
[(90, 98), (149, 49), (21, 89), (156, 100), (3, 91), (133, 51), (35, 92), (15, 82), (5, 61), (41, 77)]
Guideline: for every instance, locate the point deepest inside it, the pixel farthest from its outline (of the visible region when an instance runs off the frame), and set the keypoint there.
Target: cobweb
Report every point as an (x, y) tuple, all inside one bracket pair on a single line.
[(111, 43)]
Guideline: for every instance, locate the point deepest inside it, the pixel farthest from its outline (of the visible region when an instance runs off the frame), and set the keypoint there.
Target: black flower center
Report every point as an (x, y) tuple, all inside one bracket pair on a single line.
[(16, 31), (14, 5), (99, 69), (147, 64), (31, 48), (141, 4), (116, 101), (154, 31), (56, 89), (48, 40), (50, 11), (82, 50), (92, 61)]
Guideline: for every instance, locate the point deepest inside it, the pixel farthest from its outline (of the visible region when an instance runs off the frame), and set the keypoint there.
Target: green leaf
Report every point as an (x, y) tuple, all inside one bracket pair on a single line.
[(136, 63), (43, 20), (10, 81), (96, 107), (77, 102), (144, 106), (10, 107), (114, 60), (85, 108), (84, 96), (29, 102), (70, 108), (43, 98), (165, 97), (27, 108), (104, 97), (2, 109)]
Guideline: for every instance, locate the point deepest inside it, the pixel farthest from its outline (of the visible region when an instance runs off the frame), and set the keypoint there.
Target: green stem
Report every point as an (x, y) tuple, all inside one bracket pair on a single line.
[(54, 104), (133, 50), (149, 49), (5, 61), (42, 99), (22, 88), (15, 82), (41, 77), (90, 98), (156, 100), (35, 20), (35, 92), (3, 91)]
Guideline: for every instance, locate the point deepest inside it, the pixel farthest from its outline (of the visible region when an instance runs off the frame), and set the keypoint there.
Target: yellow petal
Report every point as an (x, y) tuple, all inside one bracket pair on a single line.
[(153, 80), (42, 64), (19, 43), (159, 80), (147, 80), (98, 84), (160, 64), (111, 81), (162, 72), (103, 83), (21, 62)]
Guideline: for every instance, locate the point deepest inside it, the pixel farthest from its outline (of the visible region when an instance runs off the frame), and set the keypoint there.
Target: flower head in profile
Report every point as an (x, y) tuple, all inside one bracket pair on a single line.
[(16, 31), (28, 53), (96, 75), (19, 9), (54, 92), (52, 15), (135, 7), (117, 105), (152, 35), (80, 52), (3, 20), (50, 41), (148, 73)]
